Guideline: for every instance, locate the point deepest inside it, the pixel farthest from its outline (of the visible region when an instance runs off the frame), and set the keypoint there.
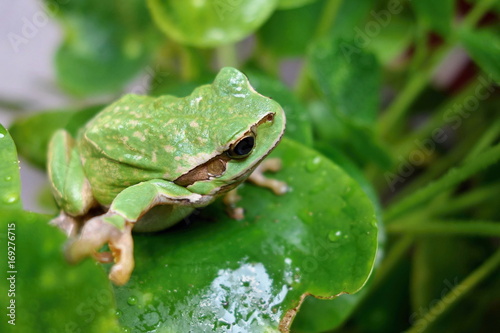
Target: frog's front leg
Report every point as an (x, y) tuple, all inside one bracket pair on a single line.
[(114, 228), (257, 177)]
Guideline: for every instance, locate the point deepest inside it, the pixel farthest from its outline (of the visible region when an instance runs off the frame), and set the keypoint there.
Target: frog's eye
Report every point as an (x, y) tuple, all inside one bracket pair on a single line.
[(243, 147)]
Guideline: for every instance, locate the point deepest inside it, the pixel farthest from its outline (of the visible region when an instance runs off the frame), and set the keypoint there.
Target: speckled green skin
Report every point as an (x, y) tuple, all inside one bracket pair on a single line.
[(142, 144)]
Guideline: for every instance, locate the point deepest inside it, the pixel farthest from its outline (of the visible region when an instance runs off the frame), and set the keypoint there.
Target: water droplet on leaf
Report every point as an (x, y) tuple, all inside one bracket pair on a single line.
[(132, 300), (313, 165), (334, 235), (10, 198)]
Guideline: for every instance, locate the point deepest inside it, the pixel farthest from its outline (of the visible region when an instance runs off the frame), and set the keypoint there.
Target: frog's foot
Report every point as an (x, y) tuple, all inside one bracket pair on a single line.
[(95, 233), (67, 223), (230, 200), (257, 177)]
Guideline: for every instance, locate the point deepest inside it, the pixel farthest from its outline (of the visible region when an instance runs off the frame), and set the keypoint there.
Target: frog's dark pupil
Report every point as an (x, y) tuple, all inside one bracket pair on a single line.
[(245, 146)]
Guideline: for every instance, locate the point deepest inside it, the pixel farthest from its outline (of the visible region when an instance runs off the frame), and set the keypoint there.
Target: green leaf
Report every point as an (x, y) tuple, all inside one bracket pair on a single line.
[(49, 294), (393, 40), (350, 79), (218, 274), (298, 124), (210, 23), (344, 73), (317, 315), (10, 185), (300, 25), (483, 47), (349, 19), (106, 44), (32, 134), (435, 15), (288, 4)]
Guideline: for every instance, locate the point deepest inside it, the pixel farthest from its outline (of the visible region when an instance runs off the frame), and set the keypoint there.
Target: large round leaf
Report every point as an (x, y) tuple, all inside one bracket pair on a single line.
[(106, 44), (10, 186), (210, 23), (218, 274)]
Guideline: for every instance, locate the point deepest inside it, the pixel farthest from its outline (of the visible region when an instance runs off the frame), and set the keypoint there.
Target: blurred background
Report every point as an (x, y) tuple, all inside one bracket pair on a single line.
[(398, 93)]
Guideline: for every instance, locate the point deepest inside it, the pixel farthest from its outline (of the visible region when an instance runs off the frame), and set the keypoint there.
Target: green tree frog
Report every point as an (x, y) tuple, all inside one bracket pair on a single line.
[(145, 163)]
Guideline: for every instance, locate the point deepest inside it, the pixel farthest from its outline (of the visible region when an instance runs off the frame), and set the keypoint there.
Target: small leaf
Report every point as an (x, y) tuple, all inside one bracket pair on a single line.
[(10, 185), (349, 20), (106, 45), (49, 295), (32, 134), (435, 15), (210, 23), (349, 77), (483, 47), (298, 124), (288, 4), (300, 25), (218, 274)]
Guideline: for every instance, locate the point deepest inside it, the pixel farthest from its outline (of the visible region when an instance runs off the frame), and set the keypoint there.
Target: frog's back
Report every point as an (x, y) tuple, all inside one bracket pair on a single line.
[(139, 138)]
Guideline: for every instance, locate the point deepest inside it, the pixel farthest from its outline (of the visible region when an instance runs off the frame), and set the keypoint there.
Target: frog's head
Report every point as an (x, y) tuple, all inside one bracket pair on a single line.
[(246, 127)]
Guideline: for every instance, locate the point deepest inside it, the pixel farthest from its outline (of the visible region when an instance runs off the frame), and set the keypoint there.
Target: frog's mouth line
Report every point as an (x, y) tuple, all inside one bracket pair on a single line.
[(216, 166)]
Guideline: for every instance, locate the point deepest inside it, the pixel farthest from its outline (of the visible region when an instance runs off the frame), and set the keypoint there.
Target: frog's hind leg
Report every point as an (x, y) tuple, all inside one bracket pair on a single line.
[(115, 226), (70, 187)]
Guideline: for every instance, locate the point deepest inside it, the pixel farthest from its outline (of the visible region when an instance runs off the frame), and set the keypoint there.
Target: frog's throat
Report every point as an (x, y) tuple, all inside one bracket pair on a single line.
[(216, 166)]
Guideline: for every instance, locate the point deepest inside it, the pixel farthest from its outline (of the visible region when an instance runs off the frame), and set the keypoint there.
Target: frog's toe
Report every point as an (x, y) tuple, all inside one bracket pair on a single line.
[(122, 248), (94, 234)]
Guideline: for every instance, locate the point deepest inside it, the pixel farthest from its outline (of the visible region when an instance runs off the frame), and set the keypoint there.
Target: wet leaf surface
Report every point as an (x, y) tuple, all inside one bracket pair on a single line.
[(215, 273), (210, 23), (10, 185), (50, 295)]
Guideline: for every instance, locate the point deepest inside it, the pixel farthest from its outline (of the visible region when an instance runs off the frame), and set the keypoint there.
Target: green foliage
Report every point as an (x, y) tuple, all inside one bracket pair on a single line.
[(104, 46), (256, 270), (10, 186), (435, 15), (372, 146)]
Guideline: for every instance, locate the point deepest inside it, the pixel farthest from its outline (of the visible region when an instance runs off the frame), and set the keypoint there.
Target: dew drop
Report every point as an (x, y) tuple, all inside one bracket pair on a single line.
[(334, 235), (118, 313), (8, 178), (1, 135), (132, 300), (10, 198), (313, 164), (126, 329)]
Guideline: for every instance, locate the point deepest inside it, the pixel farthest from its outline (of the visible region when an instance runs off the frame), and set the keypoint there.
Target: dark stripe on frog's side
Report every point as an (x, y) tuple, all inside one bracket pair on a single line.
[(215, 167)]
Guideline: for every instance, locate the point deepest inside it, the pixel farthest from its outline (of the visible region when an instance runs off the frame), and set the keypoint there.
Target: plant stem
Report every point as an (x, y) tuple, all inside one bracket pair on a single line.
[(453, 177), (457, 293), (448, 228), (414, 87), (189, 69), (327, 20), (328, 17), (437, 168), (407, 144), (469, 199), (477, 12), (227, 56), (485, 141)]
